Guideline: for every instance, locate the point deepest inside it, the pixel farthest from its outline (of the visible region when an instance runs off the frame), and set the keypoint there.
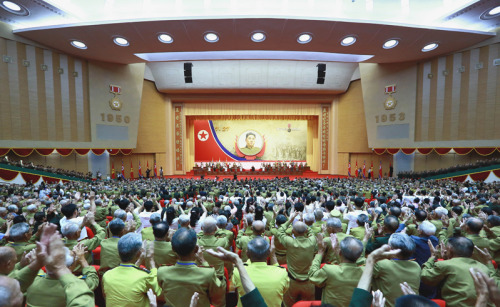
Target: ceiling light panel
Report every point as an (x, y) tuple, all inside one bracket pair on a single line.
[(304, 38), (121, 41), (211, 37), (391, 44), (258, 37), (348, 40), (14, 8), (430, 47), (78, 44), (165, 38)]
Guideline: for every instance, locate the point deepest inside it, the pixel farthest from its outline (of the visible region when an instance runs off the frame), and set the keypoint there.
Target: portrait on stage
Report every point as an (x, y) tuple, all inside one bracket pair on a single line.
[(250, 145), (251, 140)]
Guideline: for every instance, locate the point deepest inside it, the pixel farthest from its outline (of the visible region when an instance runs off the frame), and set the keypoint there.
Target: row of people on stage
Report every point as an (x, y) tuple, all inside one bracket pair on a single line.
[(266, 166)]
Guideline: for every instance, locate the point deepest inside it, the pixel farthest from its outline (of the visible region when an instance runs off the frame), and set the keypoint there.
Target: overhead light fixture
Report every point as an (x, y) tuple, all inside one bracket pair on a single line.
[(165, 38), (304, 38), (14, 8), (491, 13), (211, 37), (391, 43), (258, 37), (430, 47), (348, 40), (78, 44), (120, 41)]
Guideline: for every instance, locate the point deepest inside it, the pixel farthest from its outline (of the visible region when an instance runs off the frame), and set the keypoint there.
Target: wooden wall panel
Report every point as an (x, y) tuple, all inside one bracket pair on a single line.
[(39, 101), (352, 136), (463, 97)]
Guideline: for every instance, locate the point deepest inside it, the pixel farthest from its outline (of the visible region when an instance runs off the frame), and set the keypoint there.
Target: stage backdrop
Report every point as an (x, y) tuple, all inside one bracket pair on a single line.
[(250, 140)]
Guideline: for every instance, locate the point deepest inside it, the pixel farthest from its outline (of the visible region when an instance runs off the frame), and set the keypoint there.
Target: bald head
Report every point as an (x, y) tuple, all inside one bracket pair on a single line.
[(8, 259), (10, 292), (258, 250), (299, 228), (258, 227)]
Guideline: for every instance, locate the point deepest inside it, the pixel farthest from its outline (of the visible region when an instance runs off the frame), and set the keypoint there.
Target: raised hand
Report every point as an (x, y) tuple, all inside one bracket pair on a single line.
[(383, 252), (378, 299), (406, 288), (199, 254), (224, 254), (484, 255), (335, 243)]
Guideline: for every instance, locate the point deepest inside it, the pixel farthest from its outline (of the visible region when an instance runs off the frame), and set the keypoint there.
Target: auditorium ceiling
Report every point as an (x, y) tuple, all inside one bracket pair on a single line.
[(339, 30)]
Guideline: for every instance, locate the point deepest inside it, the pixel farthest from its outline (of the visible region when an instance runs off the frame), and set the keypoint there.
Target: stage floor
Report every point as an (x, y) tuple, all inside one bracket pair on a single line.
[(255, 176)]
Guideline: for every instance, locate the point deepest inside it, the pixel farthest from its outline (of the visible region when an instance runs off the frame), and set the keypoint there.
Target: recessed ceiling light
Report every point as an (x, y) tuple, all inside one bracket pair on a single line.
[(430, 47), (211, 37), (258, 37), (14, 8), (165, 38), (304, 38), (391, 43), (348, 40), (78, 44), (120, 41), (491, 13)]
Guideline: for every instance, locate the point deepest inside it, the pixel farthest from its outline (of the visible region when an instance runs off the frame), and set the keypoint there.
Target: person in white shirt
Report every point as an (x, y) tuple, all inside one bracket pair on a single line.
[(72, 214), (352, 216)]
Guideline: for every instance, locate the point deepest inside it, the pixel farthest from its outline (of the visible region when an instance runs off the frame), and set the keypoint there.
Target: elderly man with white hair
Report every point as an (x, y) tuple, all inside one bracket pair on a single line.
[(426, 233)]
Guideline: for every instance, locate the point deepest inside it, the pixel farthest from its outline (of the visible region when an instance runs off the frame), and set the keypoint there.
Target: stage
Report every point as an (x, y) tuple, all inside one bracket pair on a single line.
[(256, 175)]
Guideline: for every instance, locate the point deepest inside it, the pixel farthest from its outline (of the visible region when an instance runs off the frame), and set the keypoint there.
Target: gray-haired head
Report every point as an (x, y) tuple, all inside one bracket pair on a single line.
[(209, 225), (3, 210), (189, 204), (15, 200), (98, 202), (64, 202), (155, 218), (309, 218), (249, 218), (183, 220), (440, 211), (18, 231), (403, 242), (10, 292), (86, 206), (70, 229), (318, 214), (334, 223), (221, 221), (427, 228), (31, 208), (116, 226), (351, 248), (258, 249), (227, 208), (120, 214), (12, 208), (128, 246)]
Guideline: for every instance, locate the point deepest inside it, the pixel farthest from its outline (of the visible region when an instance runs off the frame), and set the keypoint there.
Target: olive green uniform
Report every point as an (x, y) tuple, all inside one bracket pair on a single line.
[(127, 286), (299, 256), (24, 276), (388, 274), (212, 242), (47, 291), (480, 242), (495, 244), (20, 248), (180, 281), (242, 244), (90, 244), (77, 292), (338, 281), (457, 284), (271, 280), (110, 258), (147, 234), (163, 253)]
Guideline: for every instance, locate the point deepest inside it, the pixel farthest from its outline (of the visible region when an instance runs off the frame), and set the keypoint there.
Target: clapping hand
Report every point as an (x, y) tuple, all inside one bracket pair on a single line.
[(224, 254)]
